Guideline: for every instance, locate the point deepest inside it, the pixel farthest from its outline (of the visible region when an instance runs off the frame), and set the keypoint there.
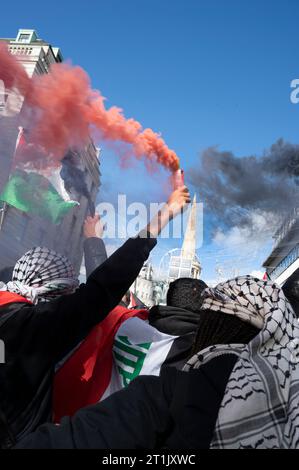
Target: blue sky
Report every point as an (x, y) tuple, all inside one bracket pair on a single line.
[(202, 72)]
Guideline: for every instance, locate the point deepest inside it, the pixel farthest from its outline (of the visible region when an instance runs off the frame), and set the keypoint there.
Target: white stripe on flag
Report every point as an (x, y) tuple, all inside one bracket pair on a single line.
[(151, 348)]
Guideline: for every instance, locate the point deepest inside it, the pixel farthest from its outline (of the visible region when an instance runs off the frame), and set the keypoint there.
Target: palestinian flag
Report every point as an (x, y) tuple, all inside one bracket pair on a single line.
[(119, 349), (37, 192)]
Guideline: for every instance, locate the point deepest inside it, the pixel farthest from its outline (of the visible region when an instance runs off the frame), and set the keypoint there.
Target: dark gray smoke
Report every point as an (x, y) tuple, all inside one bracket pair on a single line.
[(235, 188)]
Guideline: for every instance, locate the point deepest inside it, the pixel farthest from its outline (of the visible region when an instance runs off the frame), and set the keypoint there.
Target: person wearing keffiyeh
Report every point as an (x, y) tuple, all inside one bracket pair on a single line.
[(260, 405), (240, 388), (41, 275), (43, 316)]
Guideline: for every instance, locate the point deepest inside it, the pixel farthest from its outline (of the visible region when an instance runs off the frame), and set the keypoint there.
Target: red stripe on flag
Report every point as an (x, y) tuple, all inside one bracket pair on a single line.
[(84, 377)]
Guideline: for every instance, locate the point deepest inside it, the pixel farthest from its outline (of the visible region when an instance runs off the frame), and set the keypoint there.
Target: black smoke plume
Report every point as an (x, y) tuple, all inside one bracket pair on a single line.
[(234, 188)]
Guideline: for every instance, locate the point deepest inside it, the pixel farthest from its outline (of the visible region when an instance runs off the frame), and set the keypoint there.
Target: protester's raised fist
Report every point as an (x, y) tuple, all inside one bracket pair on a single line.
[(93, 227), (174, 206), (178, 200)]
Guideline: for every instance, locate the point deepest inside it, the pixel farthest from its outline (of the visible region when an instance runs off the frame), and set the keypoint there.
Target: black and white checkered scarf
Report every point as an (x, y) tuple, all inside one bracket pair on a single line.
[(41, 275), (260, 407)]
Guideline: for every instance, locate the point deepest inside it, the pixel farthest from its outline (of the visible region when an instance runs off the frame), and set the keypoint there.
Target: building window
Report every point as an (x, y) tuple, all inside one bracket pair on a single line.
[(24, 37), (291, 257)]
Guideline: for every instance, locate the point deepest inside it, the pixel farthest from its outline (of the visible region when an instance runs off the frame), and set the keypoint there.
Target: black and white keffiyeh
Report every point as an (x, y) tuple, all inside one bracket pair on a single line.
[(41, 275), (260, 408)]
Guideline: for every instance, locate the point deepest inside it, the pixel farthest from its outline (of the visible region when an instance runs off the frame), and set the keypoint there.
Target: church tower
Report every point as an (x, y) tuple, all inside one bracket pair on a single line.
[(186, 264)]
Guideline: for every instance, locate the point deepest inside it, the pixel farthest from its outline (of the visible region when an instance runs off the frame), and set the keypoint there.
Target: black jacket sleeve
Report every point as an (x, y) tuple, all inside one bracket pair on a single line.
[(177, 410), (54, 328), (196, 402), (94, 254), (132, 418)]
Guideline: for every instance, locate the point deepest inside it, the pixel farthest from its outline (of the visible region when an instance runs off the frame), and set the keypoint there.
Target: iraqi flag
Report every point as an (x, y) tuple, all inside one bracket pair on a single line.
[(138, 349), (119, 349)]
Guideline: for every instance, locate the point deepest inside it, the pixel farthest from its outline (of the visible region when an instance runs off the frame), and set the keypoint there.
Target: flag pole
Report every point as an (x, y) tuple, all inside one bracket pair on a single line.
[(3, 210), (2, 214)]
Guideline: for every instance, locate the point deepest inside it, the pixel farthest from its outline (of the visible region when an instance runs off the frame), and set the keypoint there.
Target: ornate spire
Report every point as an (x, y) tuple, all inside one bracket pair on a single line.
[(189, 243)]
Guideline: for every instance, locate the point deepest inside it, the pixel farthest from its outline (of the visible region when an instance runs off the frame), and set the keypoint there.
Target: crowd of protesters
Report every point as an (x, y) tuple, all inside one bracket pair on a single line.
[(224, 374)]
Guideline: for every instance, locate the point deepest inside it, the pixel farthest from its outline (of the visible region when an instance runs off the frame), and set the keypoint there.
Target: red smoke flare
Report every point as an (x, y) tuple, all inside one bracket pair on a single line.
[(61, 109)]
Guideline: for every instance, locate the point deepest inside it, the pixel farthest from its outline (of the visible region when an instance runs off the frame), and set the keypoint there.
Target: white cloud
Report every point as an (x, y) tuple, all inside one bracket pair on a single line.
[(252, 236)]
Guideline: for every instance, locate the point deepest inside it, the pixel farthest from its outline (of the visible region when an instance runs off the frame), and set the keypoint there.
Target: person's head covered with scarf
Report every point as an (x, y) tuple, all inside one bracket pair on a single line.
[(232, 312), (41, 275), (264, 411)]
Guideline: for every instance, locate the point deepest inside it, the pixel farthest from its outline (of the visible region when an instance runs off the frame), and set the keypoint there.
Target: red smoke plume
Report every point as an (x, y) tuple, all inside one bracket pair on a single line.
[(61, 109), (12, 73)]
